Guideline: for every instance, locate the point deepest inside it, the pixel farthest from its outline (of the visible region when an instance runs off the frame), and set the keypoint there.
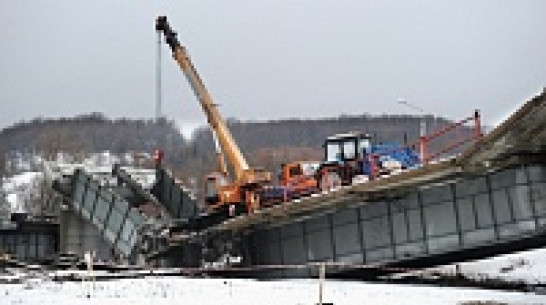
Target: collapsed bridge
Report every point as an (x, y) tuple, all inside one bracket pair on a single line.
[(488, 200)]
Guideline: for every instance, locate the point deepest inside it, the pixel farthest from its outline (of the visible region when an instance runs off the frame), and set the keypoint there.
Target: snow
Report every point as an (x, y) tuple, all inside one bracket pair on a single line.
[(13, 200), (26, 178), (19, 188), (188, 128), (528, 265), (180, 290)]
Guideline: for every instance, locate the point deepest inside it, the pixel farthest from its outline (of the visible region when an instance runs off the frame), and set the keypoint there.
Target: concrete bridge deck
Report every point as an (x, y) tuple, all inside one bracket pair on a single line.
[(521, 137), (491, 199)]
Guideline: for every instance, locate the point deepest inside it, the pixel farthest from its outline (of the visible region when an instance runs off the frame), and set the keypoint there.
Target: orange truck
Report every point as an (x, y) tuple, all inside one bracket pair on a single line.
[(300, 176), (296, 179)]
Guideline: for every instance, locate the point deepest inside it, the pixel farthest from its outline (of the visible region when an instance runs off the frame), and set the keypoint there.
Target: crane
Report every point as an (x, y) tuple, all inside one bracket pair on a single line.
[(247, 180)]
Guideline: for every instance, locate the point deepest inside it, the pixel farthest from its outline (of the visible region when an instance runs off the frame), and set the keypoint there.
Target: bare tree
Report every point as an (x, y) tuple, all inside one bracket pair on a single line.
[(2, 166)]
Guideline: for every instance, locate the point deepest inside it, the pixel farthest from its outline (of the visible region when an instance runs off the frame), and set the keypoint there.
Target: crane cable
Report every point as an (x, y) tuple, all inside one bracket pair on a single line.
[(158, 78)]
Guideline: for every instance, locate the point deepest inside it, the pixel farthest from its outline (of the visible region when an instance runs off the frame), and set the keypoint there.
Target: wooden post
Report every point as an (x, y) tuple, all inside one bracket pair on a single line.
[(477, 125), (322, 275), (88, 257)]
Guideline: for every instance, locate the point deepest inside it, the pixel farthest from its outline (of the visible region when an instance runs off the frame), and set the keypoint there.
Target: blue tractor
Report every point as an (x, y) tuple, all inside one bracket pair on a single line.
[(353, 155)]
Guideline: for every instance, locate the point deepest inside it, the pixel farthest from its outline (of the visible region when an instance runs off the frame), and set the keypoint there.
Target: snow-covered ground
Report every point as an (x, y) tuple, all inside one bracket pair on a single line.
[(19, 189), (179, 290), (528, 265)]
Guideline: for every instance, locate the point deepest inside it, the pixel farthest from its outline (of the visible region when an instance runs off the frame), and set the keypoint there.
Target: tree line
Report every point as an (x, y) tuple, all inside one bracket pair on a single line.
[(264, 143)]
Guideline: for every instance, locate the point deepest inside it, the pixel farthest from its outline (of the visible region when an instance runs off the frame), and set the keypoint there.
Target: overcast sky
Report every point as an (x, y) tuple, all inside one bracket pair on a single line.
[(272, 59)]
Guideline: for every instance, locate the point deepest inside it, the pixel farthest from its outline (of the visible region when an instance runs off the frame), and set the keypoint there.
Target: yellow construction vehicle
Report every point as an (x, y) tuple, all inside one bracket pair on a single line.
[(222, 196)]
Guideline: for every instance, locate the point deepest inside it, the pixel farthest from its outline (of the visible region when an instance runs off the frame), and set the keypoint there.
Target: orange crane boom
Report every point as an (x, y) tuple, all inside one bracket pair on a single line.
[(246, 177)]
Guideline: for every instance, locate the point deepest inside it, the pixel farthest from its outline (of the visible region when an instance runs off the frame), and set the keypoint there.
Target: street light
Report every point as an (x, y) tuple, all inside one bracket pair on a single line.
[(422, 122), (422, 130)]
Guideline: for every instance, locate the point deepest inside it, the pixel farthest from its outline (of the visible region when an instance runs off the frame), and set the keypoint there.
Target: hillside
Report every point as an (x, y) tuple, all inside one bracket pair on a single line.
[(265, 143), (89, 133), (270, 143)]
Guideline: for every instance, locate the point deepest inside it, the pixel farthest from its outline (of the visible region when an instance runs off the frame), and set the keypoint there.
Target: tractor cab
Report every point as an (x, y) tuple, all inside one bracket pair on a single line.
[(342, 148), (344, 159)]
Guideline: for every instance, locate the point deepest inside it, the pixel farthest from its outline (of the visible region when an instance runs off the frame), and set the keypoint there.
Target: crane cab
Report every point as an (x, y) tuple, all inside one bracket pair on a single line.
[(300, 177), (213, 183), (291, 172)]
